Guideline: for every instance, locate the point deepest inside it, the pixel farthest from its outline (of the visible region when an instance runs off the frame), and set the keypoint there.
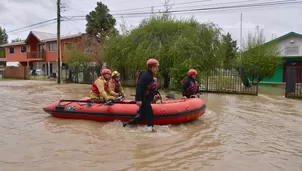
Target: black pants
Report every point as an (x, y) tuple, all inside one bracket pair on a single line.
[(145, 113)]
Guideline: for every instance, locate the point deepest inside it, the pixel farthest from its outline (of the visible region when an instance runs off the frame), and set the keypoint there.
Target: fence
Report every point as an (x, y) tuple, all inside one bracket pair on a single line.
[(293, 85), (235, 80), (81, 75), (21, 72)]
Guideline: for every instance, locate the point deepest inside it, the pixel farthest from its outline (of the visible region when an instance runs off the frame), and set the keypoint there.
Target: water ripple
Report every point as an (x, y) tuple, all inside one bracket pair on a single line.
[(236, 133)]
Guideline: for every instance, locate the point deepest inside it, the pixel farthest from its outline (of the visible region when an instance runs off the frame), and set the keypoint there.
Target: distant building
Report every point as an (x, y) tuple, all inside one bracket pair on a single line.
[(2, 57), (290, 45), (39, 51)]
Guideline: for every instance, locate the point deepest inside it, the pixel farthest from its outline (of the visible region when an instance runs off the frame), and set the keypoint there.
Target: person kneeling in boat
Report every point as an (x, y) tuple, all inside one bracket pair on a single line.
[(99, 89), (145, 94), (115, 87), (190, 88)]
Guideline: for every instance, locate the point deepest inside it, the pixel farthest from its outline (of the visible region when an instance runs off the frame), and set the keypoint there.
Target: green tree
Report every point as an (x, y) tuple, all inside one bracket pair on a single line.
[(3, 36), (79, 63), (173, 42), (260, 56), (78, 59), (16, 40), (229, 47), (100, 22)]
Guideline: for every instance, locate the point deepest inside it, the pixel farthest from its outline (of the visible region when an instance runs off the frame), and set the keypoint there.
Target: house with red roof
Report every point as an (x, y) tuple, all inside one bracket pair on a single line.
[(39, 51)]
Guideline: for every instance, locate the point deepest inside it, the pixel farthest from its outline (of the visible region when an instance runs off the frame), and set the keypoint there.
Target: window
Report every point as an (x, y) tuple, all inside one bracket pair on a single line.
[(292, 50), (23, 49), (2, 52), (52, 46), (12, 50), (68, 46), (42, 47)]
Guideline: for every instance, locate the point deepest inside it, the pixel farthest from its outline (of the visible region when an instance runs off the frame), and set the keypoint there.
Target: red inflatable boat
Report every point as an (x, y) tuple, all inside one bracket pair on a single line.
[(169, 112)]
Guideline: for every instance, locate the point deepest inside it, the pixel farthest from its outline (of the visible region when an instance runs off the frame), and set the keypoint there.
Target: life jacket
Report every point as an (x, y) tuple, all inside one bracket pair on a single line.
[(152, 87), (94, 88), (117, 85), (192, 88)]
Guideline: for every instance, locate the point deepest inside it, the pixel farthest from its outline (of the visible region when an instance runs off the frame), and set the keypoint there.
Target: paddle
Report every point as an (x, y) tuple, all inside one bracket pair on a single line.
[(112, 101), (168, 96), (89, 100)]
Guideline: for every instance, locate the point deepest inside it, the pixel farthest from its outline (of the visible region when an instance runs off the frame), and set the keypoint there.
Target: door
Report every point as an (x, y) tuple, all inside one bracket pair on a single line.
[(299, 72), (298, 66)]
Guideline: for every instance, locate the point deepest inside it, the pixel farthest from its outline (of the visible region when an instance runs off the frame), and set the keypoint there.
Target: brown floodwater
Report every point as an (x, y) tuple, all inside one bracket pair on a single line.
[(236, 133)]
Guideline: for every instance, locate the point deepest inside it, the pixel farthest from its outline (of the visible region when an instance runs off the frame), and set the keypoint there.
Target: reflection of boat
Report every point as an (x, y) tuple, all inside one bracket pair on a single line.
[(169, 112)]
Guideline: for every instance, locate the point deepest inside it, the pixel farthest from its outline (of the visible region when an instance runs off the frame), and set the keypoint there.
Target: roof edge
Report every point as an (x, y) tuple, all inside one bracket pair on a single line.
[(31, 33), (64, 37), (283, 36), (13, 44), (44, 41)]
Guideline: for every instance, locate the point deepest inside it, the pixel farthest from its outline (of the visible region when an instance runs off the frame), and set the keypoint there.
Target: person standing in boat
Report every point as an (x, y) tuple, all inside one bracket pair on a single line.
[(115, 87), (145, 93), (99, 89), (190, 86)]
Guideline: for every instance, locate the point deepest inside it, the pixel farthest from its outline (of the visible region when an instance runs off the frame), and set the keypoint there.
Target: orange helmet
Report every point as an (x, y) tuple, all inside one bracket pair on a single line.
[(152, 62), (192, 72), (106, 71)]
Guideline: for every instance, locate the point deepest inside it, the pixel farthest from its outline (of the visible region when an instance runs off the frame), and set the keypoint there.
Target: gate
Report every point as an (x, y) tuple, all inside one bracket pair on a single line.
[(82, 75), (231, 80), (293, 86)]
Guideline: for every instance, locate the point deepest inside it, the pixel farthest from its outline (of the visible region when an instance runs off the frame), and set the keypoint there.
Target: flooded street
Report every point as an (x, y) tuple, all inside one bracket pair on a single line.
[(236, 133)]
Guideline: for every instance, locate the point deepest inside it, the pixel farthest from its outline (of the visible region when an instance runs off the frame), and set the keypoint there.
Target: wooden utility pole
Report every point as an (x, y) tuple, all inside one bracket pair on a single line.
[(58, 42), (241, 39)]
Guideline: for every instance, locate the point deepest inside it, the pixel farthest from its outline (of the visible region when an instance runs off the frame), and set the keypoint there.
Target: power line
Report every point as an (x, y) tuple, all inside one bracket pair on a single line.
[(46, 24), (187, 11), (225, 3), (276, 3), (32, 25), (36, 24), (184, 11), (273, 3), (200, 1), (183, 3)]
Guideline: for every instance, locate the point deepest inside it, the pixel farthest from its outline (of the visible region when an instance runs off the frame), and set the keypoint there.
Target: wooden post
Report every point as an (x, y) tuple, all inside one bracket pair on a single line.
[(58, 43)]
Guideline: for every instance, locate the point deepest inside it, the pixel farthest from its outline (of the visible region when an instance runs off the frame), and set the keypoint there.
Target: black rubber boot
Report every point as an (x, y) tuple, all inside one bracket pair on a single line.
[(125, 124)]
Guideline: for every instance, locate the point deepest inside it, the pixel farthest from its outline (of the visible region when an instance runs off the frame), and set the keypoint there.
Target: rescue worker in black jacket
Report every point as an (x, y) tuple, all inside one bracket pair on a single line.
[(145, 92), (190, 86)]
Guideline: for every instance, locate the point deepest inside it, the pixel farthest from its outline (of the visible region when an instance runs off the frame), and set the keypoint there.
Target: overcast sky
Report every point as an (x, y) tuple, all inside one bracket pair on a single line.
[(15, 14)]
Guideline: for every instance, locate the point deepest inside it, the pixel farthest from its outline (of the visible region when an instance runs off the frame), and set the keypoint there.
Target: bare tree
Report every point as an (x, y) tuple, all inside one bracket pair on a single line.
[(167, 8)]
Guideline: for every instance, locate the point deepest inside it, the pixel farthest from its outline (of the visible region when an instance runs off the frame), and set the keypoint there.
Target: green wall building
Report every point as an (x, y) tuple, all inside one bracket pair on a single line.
[(290, 46)]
